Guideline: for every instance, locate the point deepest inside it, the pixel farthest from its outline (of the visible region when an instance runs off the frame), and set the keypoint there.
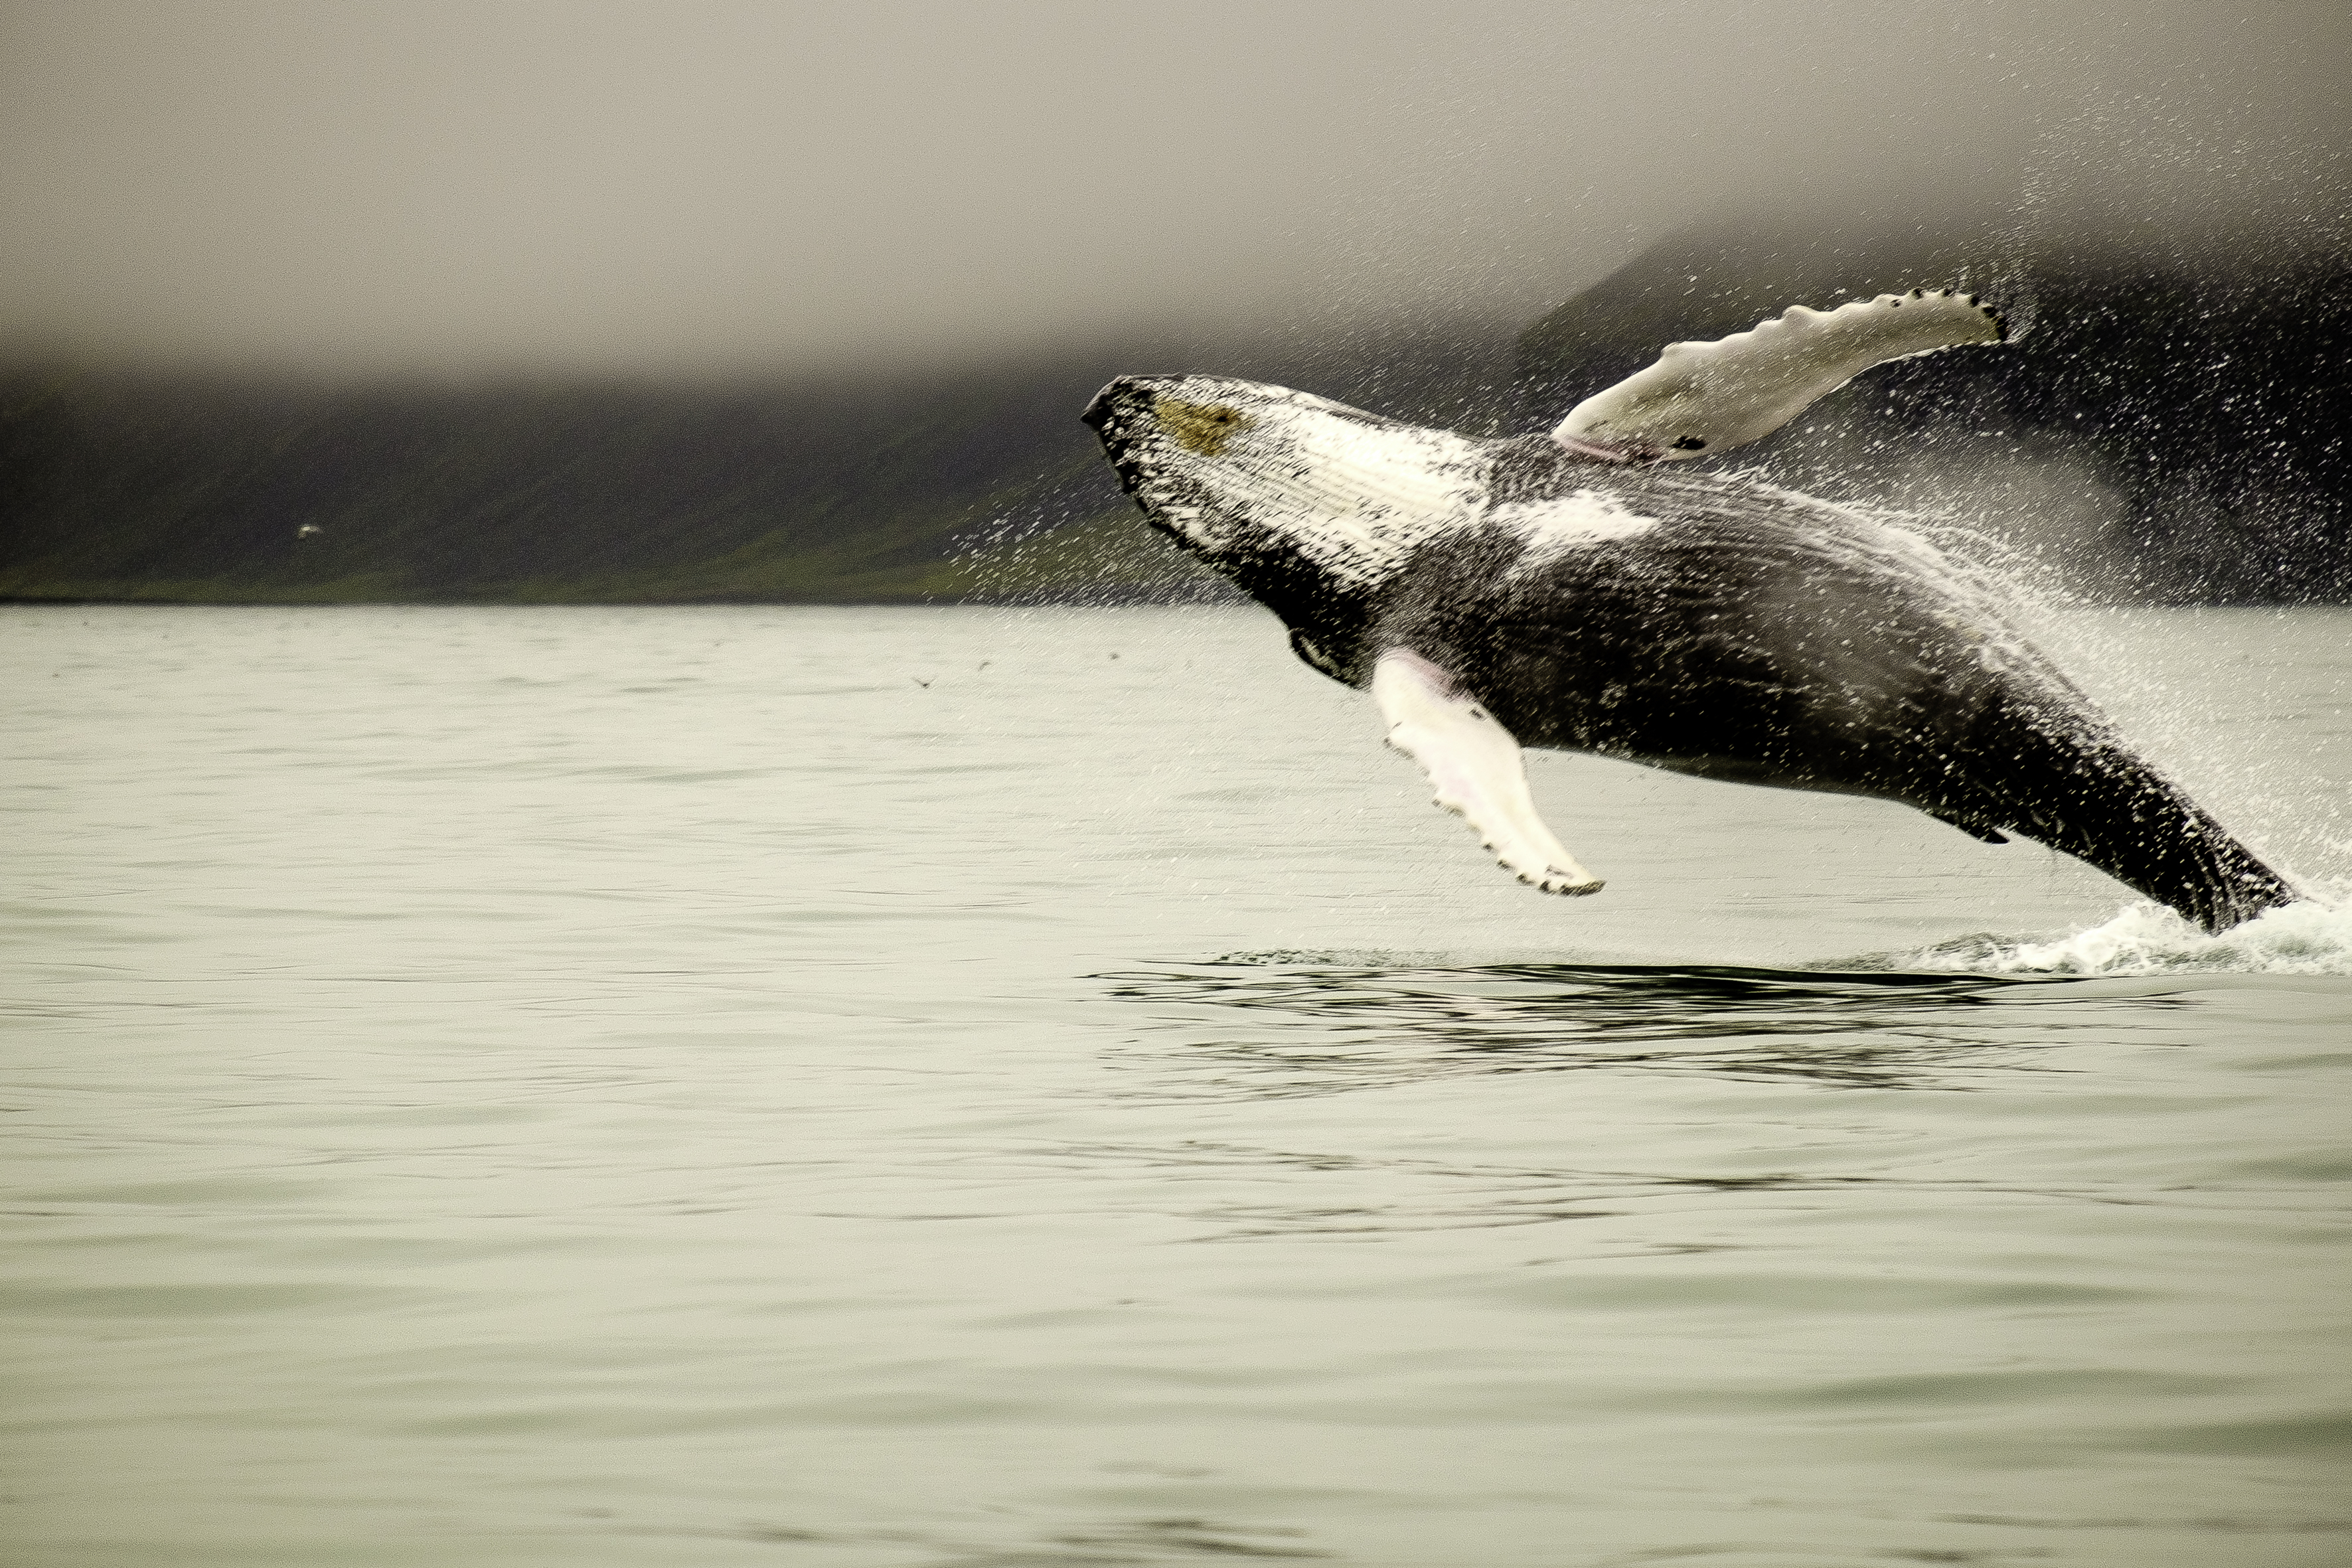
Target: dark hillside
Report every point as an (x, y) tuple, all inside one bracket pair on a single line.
[(2167, 425), (235, 492), (846, 490)]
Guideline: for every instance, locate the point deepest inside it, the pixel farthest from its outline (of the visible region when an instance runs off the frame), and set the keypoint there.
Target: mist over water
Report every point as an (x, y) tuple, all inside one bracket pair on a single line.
[(959, 1088)]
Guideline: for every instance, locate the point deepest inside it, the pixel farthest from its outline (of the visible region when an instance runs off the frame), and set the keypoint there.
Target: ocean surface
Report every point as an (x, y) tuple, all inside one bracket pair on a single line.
[(970, 1088)]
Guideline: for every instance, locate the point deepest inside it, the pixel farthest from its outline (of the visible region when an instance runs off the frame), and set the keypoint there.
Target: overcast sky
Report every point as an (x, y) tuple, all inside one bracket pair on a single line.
[(493, 184)]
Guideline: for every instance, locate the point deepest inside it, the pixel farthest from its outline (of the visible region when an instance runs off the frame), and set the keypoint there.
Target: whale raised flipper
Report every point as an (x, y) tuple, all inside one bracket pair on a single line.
[(1699, 399), (1476, 766)]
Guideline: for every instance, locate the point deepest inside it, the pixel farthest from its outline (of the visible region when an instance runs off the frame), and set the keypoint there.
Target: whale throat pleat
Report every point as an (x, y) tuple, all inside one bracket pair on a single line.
[(1361, 498)]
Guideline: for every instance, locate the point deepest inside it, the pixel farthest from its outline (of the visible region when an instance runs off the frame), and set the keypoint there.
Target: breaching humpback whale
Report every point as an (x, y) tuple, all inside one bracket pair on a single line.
[(1584, 590)]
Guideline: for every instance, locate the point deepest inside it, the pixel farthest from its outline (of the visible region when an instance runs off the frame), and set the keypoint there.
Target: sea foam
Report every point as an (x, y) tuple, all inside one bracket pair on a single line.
[(2312, 937)]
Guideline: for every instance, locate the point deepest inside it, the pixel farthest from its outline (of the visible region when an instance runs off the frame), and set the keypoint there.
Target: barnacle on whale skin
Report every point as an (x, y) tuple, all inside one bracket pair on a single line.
[(1201, 427)]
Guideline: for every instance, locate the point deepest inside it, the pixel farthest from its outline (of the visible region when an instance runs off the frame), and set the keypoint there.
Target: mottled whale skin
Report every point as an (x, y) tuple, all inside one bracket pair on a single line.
[(1698, 621)]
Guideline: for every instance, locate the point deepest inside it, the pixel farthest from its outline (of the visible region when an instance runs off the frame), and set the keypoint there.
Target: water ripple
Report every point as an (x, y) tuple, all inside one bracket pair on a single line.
[(1273, 1024)]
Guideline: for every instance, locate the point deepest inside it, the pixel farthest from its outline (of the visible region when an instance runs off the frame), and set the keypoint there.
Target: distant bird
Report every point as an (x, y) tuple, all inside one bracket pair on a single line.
[(1574, 591), (307, 530)]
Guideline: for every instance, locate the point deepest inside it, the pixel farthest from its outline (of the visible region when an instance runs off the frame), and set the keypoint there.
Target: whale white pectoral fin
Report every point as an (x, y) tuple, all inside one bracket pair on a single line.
[(1699, 399), (1477, 767)]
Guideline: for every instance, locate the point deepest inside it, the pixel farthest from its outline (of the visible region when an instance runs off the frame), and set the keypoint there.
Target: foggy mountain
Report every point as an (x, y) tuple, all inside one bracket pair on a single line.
[(759, 301), (977, 483), (2166, 425)]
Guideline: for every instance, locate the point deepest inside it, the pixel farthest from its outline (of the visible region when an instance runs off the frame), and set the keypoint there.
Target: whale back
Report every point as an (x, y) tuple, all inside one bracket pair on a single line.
[(1721, 627)]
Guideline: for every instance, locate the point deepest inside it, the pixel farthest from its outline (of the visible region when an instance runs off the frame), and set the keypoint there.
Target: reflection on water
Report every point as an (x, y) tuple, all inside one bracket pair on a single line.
[(1144, 1540), (1112, 1544), (1322, 1193), (1282, 1023)]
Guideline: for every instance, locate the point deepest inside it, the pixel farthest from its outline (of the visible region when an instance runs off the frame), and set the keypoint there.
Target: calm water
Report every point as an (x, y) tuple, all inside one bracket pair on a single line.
[(956, 1089)]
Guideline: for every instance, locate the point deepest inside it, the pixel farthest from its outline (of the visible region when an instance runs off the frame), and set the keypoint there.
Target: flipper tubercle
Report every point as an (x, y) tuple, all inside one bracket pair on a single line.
[(1477, 767), (1699, 399)]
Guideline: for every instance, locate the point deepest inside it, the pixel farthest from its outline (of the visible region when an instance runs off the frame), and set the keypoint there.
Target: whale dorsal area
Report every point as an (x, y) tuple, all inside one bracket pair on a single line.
[(1699, 399), (1476, 766)]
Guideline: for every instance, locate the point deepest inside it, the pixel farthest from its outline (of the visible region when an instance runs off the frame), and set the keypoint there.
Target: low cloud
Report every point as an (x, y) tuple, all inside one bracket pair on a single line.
[(462, 186)]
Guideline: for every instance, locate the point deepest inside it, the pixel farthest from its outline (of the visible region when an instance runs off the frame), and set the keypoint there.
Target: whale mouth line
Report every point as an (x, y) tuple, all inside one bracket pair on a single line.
[(1098, 410)]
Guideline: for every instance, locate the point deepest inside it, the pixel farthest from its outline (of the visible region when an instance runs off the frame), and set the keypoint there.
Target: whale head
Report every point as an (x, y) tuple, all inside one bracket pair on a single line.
[(1282, 491)]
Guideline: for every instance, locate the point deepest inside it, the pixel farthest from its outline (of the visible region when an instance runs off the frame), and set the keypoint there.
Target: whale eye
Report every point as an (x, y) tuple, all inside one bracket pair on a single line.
[(1202, 428), (1690, 444)]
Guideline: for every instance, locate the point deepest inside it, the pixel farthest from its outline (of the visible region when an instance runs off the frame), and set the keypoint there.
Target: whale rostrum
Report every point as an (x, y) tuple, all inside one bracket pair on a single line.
[(1583, 591)]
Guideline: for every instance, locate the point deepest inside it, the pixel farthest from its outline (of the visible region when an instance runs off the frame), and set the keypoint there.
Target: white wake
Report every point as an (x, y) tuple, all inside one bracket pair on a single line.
[(2314, 937)]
